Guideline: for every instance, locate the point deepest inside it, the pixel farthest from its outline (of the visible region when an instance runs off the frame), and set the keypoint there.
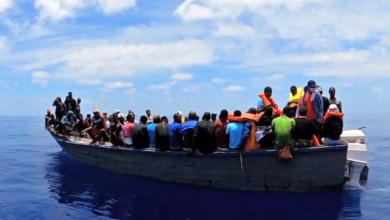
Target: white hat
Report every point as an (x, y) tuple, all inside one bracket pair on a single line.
[(120, 115), (117, 111), (180, 113), (334, 107)]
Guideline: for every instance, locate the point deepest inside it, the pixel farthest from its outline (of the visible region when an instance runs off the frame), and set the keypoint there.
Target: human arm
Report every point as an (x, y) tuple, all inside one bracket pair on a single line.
[(314, 128), (194, 137), (245, 135), (340, 107)]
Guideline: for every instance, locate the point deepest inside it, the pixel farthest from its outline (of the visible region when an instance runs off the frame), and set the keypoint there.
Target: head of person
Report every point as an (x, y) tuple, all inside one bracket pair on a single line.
[(143, 119), (223, 115), (332, 92), (118, 111), (105, 114), (268, 111), (192, 115), (177, 118), (252, 111), (319, 90), (148, 112), (70, 95), (287, 111), (52, 116), (206, 116), (268, 92), (302, 111), (69, 114), (78, 101), (130, 118), (179, 113), (96, 112), (156, 119), (214, 116), (293, 90), (121, 117), (237, 113), (186, 118), (312, 86), (48, 112), (114, 117), (57, 101), (333, 108), (88, 116), (81, 117), (164, 119), (306, 89), (131, 112)]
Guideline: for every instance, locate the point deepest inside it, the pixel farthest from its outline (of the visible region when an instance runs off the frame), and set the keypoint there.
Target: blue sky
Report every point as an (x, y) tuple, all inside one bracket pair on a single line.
[(190, 54)]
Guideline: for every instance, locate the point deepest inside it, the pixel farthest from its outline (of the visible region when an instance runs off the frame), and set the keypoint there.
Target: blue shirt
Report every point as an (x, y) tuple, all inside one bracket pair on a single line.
[(190, 124), (152, 134), (175, 137), (235, 130), (260, 103), (247, 133), (69, 121)]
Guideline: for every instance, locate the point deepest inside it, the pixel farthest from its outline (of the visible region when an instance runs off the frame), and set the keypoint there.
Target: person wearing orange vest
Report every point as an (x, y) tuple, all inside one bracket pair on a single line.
[(248, 140), (312, 100), (333, 126), (267, 99)]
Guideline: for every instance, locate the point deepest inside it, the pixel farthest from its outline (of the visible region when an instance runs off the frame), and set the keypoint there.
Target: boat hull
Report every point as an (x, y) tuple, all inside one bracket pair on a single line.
[(311, 169)]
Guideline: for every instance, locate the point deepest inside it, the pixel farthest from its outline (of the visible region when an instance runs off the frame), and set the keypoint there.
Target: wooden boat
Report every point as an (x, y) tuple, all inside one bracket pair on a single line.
[(312, 169)]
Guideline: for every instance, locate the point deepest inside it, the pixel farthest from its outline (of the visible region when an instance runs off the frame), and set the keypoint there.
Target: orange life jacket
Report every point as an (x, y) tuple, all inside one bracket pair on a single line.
[(270, 101), (309, 105), (251, 143), (330, 114)]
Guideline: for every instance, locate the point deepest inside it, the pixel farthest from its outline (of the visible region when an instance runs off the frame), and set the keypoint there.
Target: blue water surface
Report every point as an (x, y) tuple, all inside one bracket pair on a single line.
[(40, 181)]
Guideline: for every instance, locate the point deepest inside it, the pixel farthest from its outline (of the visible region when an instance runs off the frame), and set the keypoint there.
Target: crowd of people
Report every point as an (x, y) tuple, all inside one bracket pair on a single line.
[(308, 119)]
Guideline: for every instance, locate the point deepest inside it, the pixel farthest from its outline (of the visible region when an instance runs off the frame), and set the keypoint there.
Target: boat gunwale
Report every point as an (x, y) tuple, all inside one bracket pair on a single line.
[(218, 153)]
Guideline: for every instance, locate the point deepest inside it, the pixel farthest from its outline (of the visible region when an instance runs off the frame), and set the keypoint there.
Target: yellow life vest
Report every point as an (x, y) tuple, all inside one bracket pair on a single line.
[(295, 97)]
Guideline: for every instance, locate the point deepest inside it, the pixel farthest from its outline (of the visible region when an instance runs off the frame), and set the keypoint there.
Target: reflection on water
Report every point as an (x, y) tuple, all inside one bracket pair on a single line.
[(81, 186)]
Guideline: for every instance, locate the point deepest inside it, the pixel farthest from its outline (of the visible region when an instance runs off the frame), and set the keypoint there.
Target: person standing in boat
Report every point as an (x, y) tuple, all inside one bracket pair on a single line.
[(235, 130), (98, 128), (334, 100), (333, 126), (121, 119), (312, 100), (220, 130), (140, 136), (267, 99), (204, 139), (175, 136), (248, 141), (187, 130), (60, 108), (70, 102), (128, 129), (162, 135), (325, 99), (152, 130), (78, 108), (283, 127), (116, 129), (149, 117), (294, 99), (305, 128)]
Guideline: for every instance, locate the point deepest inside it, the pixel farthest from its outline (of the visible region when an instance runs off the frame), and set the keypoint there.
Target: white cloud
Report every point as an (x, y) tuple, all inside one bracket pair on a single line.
[(378, 89), (218, 80), (182, 76), (117, 84), (6, 4), (114, 6), (40, 78), (131, 91), (276, 77), (191, 88), (163, 86), (233, 88), (234, 30)]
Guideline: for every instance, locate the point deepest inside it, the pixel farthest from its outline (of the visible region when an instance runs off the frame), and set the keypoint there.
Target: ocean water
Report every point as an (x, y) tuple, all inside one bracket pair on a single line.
[(40, 181)]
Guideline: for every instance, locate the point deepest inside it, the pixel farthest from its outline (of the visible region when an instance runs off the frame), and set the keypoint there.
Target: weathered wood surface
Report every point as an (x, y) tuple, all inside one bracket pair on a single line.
[(312, 169)]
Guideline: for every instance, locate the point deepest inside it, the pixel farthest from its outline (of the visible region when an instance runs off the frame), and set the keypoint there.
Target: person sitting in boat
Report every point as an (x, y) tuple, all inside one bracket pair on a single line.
[(283, 127), (333, 126), (140, 136), (334, 100), (325, 100), (235, 130), (89, 119), (162, 135), (295, 93), (98, 127), (106, 117), (60, 108), (267, 99), (81, 124), (67, 123), (248, 141), (52, 122), (220, 130), (175, 136), (128, 129), (181, 116), (312, 100), (187, 130), (132, 112), (47, 117), (121, 119), (305, 128), (152, 130), (204, 139), (115, 130), (264, 134)]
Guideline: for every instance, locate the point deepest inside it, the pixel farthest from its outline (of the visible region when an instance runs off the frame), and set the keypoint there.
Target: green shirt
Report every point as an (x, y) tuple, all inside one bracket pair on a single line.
[(283, 127)]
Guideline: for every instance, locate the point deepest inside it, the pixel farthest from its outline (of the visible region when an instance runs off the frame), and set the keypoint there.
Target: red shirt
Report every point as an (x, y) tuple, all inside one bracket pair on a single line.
[(220, 134), (128, 130)]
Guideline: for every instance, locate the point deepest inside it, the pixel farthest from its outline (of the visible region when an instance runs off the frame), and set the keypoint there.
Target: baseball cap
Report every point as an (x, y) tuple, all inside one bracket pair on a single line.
[(334, 107), (120, 115), (105, 113), (48, 111), (180, 113)]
